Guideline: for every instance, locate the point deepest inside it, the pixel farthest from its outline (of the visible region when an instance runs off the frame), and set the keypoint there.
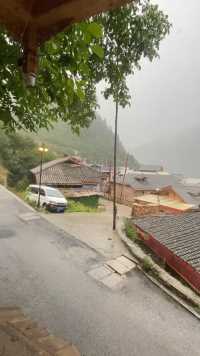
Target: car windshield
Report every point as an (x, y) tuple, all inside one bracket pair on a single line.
[(54, 193)]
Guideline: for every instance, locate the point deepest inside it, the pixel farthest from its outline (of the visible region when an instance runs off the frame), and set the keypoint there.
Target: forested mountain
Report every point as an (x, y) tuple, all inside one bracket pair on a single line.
[(95, 143)]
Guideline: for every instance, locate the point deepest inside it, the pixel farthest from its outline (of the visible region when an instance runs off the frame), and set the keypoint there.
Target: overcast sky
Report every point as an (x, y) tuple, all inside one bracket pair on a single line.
[(165, 93)]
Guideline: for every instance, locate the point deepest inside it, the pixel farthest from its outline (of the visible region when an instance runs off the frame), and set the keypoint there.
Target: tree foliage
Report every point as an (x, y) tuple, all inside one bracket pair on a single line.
[(19, 154), (108, 47)]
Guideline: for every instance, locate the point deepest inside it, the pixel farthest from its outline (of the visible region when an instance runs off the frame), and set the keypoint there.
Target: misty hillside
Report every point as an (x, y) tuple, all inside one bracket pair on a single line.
[(179, 153), (94, 144)]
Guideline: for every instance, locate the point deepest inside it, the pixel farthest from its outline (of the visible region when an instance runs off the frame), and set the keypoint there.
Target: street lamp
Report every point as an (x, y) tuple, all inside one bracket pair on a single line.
[(42, 149), (115, 166)]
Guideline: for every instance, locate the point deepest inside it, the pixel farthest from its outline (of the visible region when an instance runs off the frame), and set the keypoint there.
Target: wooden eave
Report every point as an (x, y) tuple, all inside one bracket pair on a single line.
[(38, 20)]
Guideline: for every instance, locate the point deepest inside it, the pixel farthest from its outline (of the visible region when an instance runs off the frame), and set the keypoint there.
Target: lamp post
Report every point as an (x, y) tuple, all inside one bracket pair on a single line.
[(42, 149), (115, 166)]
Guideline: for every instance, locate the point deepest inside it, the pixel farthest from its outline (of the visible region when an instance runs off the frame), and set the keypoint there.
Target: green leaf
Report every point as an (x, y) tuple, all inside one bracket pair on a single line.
[(80, 93), (98, 50), (95, 29)]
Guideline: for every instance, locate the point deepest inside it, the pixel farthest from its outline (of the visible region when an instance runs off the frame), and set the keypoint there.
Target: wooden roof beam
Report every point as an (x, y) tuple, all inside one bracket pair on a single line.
[(68, 12)]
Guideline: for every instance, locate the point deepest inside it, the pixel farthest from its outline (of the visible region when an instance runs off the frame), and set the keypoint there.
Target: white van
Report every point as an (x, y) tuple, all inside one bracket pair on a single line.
[(50, 198)]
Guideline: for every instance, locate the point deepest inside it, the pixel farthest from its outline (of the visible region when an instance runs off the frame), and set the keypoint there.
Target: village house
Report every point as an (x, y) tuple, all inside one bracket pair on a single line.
[(73, 177), (132, 185), (176, 240), (172, 199), (155, 193)]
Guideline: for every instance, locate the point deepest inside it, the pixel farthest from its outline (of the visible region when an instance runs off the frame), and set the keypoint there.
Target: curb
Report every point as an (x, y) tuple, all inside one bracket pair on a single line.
[(175, 297), (17, 198), (37, 340)]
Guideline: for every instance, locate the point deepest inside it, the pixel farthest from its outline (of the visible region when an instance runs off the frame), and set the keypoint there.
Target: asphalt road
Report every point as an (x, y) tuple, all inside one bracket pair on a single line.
[(45, 272)]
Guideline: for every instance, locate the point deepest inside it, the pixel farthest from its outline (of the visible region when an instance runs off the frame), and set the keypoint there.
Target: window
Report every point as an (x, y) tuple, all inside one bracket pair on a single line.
[(42, 192), (54, 193), (34, 190)]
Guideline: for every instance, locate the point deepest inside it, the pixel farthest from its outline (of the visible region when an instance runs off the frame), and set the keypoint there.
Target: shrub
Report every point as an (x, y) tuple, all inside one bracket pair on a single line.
[(130, 230), (147, 264), (22, 184)]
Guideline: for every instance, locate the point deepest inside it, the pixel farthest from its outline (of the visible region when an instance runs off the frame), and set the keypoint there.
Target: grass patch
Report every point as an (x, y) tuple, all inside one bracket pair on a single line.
[(83, 205), (130, 230), (147, 264), (148, 267), (197, 308)]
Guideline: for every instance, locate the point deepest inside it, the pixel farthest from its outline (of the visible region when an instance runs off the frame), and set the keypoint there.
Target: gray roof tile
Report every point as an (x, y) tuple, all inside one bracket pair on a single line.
[(179, 233)]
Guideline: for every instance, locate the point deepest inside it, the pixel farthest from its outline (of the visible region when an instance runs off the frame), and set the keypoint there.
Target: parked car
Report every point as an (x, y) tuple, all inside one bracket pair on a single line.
[(50, 198)]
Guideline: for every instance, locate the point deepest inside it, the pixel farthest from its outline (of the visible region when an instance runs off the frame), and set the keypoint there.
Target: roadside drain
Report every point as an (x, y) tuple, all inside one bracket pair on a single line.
[(113, 273), (121, 265)]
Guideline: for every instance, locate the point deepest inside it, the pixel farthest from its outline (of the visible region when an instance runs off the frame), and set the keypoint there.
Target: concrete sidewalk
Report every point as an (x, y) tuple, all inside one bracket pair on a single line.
[(94, 229)]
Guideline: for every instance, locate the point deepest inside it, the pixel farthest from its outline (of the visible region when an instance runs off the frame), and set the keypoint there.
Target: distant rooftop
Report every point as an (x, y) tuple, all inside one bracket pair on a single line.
[(145, 181), (150, 168)]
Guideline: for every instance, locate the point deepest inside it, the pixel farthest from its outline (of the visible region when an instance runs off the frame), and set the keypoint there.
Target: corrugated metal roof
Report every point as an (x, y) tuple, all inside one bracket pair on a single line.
[(179, 233)]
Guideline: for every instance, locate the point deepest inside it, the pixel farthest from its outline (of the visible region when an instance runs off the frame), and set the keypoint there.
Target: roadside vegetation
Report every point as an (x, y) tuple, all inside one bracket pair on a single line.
[(18, 154), (130, 230), (84, 205), (147, 263)]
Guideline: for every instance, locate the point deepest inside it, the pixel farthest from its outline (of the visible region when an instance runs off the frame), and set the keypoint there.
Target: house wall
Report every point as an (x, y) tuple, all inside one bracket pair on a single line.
[(184, 269), (125, 194), (144, 209), (171, 194)]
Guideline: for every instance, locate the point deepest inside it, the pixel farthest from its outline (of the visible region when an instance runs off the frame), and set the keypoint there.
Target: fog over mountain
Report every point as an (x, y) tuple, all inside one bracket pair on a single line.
[(178, 153), (165, 105)]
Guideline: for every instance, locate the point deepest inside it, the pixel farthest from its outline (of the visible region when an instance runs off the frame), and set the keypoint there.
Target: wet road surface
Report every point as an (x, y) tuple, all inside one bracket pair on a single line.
[(45, 272)]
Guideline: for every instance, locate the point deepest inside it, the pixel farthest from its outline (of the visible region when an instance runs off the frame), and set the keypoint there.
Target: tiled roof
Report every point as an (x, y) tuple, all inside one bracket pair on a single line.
[(69, 159), (147, 181), (66, 172), (179, 233), (151, 182)]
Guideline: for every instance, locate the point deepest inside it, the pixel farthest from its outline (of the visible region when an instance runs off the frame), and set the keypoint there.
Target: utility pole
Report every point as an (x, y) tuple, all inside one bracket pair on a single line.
[(42, 149), (115, 166)]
